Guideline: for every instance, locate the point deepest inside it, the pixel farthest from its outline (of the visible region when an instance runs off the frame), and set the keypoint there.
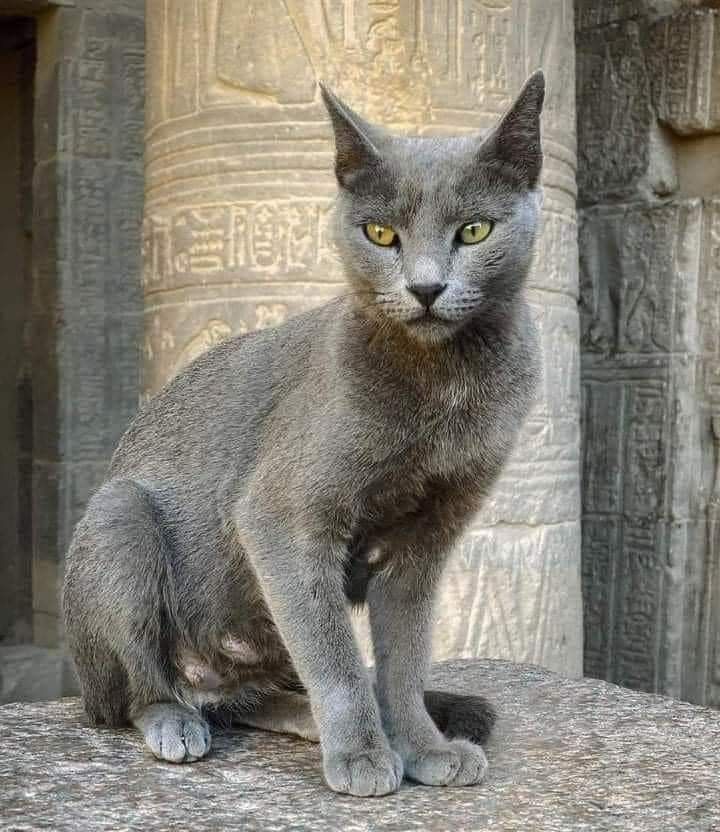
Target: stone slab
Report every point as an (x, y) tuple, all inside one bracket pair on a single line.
[(567, 755), (29, 673), (634, 158)]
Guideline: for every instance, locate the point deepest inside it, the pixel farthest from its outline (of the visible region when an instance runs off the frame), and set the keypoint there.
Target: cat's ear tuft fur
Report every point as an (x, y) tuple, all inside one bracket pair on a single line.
[(355, 148), (516, 142)]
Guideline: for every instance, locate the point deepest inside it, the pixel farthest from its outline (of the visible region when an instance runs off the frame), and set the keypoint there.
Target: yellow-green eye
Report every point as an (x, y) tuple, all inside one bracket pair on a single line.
[(475, 232), (381, 235)]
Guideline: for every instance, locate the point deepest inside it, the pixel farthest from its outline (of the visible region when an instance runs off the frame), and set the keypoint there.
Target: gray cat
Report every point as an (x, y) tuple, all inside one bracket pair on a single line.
[(333, 460)]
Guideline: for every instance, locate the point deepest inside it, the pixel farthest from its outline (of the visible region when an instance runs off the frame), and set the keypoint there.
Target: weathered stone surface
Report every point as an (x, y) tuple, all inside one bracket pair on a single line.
[(640, 273), (684, 64), (649, 320), (643, 81), (650, 316), (510, 591), (591, 13), (31, 674), (622, 152), (239, 186), (698, 165), (566, 756), (87, 194)]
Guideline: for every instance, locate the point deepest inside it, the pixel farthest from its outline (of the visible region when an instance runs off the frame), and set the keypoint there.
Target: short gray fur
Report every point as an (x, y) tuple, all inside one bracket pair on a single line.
[(212, 568), (567, 755)]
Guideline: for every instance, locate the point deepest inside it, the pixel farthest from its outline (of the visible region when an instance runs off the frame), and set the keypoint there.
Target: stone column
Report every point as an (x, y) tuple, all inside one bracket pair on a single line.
[(238, 191)]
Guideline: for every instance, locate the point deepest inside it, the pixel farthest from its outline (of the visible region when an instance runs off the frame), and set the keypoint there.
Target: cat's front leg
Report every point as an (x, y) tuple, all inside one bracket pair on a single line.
[(401, 603), (302, 582)]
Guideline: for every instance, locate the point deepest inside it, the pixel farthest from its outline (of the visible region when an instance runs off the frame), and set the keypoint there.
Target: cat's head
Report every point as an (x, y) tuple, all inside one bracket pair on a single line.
[(434, 232)]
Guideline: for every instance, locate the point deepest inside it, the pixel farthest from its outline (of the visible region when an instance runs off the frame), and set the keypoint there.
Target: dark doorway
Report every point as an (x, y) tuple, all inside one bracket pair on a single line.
[(17, 64)]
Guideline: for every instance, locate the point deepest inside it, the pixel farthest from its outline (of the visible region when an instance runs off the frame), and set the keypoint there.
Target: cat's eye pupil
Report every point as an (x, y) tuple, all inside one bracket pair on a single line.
[(381, 235), (474, 232)]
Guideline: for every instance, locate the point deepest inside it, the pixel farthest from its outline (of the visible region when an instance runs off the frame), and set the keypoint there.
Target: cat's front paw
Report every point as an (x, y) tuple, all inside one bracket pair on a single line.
[(453, 763), (369, 773), (175, 734)]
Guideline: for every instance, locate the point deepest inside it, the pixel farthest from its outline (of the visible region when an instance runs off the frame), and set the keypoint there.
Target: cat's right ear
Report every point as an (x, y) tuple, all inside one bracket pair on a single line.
[(355, 148)]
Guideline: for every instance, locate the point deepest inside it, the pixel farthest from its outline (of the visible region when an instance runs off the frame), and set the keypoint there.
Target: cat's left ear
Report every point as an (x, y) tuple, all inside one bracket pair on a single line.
[(355, 140), (515, 142)]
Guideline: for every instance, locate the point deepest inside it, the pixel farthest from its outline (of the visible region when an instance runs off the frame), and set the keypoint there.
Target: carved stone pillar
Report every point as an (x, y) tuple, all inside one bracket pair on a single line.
[(650, 321), (238, 191)]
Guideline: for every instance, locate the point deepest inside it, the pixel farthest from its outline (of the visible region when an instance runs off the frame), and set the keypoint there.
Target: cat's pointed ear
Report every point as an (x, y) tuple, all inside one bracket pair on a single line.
[(355, 143), (515, 142)]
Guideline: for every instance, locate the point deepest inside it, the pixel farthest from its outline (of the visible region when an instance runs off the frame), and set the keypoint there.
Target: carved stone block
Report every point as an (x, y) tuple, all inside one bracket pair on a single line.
[(684, 64), (623, 154), (514, 591), (87, 195), (649, 339), (639, 278)]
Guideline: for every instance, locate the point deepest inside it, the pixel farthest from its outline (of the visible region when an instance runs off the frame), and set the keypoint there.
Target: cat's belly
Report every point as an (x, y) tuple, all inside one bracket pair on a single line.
[(237, 673), (235, 651)]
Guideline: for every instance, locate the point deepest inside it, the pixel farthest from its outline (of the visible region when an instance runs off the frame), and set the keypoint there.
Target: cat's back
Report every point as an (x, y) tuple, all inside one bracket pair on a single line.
[(213, 409)]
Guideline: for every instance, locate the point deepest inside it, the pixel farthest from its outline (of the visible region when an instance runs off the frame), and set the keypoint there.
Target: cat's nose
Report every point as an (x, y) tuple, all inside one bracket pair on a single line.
[(427, 293)]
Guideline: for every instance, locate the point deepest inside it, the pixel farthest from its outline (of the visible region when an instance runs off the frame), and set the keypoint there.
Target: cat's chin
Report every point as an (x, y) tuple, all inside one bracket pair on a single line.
[(431, 328)]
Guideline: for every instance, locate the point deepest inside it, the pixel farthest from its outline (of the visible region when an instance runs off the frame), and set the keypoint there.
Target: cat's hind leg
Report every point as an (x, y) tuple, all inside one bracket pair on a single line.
[(103, 681), (457, 716), (122, 622), (284, 712)]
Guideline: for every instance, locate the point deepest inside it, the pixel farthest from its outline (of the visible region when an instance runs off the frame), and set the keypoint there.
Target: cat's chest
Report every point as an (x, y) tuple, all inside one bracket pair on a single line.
[(426, 469), (396, 508), (445, 443), (438, 473)]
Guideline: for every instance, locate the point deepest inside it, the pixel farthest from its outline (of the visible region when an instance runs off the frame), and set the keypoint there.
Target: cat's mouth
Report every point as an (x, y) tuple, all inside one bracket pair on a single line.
[(427, 317), (432, 326)]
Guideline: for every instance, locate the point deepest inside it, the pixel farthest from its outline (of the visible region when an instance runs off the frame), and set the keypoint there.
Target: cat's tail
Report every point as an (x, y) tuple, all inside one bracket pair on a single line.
[(461, 715)]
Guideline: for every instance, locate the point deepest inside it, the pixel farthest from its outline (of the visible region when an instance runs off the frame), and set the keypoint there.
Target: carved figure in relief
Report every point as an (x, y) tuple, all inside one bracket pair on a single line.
[(333, 460), (214, 332)]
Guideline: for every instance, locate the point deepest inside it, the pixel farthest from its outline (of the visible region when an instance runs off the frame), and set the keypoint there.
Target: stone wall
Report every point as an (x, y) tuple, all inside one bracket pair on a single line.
[(239, 187), (87, 194), (649, 212)]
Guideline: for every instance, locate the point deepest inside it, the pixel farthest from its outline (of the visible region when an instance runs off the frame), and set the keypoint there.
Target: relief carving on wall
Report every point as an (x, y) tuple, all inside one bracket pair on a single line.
[(391, 54)]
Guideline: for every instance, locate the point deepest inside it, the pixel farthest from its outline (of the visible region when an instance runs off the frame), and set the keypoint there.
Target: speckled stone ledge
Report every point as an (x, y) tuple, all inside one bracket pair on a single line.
[(567, 755)]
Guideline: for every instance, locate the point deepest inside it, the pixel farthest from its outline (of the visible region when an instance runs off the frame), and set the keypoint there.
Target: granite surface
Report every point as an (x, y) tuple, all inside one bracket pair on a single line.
[(567, 755)]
